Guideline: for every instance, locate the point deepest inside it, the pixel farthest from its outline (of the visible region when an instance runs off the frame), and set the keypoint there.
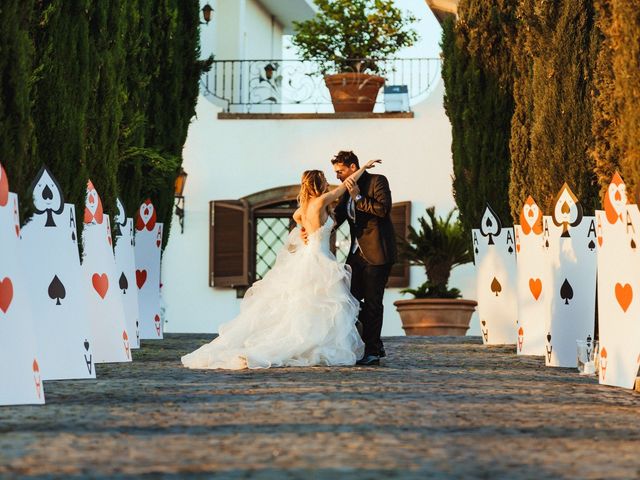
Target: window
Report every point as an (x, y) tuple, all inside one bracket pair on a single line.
[(247, 234)]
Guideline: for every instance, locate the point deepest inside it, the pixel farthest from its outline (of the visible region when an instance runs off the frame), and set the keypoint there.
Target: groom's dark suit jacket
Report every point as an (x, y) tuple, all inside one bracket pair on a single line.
[(372, 228)]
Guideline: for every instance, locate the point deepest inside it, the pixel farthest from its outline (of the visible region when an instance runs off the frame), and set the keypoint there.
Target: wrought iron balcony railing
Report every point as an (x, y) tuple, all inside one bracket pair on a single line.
[(271, 86)]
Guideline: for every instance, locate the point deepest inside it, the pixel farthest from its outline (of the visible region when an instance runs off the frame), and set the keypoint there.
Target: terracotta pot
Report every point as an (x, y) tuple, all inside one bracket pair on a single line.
[(435, 316), (353, 92)]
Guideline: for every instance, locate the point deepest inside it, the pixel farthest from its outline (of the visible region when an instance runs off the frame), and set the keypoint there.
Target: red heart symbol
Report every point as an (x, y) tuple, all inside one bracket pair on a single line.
[(158, 243), (6, 294), (600, 241), (141, 277), (518, 248), (100, 284), (91, 199), (535, 285), (624, 295), (17, 230)]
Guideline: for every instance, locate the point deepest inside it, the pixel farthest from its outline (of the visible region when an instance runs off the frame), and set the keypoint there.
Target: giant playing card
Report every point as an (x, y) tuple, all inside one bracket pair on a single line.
[(495, 261), (618, 287), (57, 292), (105, 300), (148, 242), (534, 294), (126, 263), (570, 239), (20, 379)]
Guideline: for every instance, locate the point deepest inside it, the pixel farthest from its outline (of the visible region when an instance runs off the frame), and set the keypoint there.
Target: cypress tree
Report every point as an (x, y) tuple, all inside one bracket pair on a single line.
[(479, 103), (619, 94), (561, 43), (16, 124), (104, 112), (62, 80), (156, 124)]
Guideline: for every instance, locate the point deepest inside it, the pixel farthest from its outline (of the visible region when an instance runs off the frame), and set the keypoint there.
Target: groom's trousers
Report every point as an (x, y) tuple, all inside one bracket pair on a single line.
[(367, 285)]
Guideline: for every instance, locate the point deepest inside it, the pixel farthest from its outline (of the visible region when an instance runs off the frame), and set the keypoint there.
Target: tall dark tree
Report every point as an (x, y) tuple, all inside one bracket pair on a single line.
[(616, 125), (479, 103), (105, 97), (558, 61), (157, 122), (16, 124), (62, 79)]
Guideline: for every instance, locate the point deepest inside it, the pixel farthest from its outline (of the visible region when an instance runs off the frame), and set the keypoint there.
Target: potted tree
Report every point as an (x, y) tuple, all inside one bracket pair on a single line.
[(347, 37), (439, 246)]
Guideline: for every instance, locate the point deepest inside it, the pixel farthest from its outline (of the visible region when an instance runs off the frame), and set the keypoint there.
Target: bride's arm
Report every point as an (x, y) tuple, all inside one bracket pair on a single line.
[(330, 197)]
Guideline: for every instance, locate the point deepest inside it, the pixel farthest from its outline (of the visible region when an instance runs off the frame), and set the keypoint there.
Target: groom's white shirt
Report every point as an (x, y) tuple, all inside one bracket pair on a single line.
[(351, 213)]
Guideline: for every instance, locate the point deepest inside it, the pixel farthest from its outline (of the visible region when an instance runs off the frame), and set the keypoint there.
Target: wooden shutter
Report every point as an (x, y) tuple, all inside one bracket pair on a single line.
[(401, 219), (230, 228)]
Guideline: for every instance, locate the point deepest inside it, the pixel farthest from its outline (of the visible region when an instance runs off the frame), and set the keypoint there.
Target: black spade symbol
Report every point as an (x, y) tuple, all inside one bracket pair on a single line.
[(484, 323), (566, 291), (548, 338), (476, 250), (495, 286), (47, 194), (489, 223), (56, 290), (73, 236), (592, 245), (124, 283), (633, 244), (86, 344), (510, 249), (546, 243)]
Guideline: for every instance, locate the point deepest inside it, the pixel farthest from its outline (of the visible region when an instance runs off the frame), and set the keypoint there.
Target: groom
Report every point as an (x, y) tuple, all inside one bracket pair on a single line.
[(367, 207)]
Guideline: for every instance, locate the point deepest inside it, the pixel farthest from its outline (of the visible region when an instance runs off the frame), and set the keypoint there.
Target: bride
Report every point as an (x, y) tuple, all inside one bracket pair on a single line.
[(302, 312)]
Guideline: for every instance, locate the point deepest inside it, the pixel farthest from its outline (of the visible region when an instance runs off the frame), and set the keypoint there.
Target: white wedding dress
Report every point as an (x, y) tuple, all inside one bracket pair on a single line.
[(301, 313)]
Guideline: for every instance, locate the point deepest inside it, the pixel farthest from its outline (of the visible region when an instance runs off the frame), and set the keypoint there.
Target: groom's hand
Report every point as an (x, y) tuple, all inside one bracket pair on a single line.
[(352, 187)]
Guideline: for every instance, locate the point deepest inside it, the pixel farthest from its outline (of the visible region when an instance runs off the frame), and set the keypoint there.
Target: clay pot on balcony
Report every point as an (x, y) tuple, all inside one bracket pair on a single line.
[(435, 316), (353, 92)]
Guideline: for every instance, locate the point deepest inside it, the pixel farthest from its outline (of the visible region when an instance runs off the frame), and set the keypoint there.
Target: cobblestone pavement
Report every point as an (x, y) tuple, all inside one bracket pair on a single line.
[(438, 408)]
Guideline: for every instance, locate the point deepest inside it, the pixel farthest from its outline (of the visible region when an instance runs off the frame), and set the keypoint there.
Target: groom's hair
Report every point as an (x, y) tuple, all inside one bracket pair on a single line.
[(346, 158)]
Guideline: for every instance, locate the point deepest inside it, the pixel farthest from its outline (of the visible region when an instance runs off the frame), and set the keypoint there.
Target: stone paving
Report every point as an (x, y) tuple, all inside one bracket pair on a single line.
[(438, 408)]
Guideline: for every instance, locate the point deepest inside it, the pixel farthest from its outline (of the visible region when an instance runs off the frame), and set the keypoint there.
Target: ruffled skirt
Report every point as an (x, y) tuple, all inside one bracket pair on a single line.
[(301, 313)]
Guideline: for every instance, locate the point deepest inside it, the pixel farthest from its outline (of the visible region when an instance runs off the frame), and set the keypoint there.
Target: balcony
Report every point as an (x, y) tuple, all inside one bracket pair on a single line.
[(280, 88)]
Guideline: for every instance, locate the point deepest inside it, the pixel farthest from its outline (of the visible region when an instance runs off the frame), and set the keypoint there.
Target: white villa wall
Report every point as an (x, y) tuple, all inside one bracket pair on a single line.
[(228, 159), (240, 29)]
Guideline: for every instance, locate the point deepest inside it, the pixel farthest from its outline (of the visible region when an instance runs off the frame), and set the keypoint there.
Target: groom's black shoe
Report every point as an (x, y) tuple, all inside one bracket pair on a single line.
[(382, 353), (369, 360)]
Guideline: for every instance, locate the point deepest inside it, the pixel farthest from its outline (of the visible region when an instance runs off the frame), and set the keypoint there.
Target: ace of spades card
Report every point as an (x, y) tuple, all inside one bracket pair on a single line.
[(570, 240), (104, 296), (56, 291), (148, 243), (126, 271), (495, 263), (20, 380), (618, 287), (534, 299)]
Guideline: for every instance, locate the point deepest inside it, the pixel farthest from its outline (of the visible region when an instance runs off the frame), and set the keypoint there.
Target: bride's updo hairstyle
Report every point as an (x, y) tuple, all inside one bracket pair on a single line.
[(313, 185)]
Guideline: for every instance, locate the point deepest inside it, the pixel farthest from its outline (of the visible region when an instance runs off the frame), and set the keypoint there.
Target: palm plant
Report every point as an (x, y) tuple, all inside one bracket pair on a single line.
[(439, 246)]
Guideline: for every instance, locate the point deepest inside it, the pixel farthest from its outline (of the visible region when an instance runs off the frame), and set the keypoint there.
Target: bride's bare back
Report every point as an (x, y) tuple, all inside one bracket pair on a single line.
[(312, 216)]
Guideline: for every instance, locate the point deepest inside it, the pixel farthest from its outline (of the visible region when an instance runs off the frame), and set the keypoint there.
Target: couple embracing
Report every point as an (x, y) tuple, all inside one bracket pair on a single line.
[(305, 310)]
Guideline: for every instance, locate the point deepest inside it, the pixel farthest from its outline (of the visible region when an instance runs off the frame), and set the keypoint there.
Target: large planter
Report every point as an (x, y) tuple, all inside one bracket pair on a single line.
[(433, 317), (353, 92)]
